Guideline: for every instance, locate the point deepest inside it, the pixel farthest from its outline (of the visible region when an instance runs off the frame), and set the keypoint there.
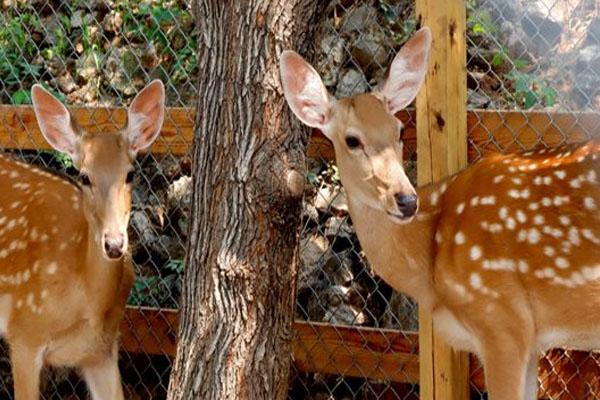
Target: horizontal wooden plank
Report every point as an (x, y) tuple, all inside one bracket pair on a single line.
[(19, 128), (376, 354), (358, 352), (489, 131)]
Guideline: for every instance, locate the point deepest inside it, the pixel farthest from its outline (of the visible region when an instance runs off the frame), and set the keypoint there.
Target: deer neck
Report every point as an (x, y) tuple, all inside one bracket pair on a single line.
[(102, 276), (401, 254)]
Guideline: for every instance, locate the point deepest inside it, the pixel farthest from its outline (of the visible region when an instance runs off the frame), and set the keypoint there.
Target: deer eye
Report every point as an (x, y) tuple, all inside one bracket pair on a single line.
[(353, 142), (85, 179), (129, 177)]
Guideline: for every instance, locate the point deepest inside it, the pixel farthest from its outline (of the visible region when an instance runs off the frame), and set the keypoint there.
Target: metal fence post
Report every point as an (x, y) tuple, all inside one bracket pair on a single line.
[(442, 150)]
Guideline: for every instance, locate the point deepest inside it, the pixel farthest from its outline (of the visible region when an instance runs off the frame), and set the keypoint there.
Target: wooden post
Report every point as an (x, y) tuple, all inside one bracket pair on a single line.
[(442, 151)]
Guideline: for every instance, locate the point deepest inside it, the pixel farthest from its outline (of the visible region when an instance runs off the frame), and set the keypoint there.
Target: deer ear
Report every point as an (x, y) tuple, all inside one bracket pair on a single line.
[(55, 122), (304, 91), (145, 117), (407, 72)]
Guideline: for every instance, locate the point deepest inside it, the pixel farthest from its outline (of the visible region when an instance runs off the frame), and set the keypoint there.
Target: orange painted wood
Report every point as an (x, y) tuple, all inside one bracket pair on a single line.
[(375, 354), (512, 130)]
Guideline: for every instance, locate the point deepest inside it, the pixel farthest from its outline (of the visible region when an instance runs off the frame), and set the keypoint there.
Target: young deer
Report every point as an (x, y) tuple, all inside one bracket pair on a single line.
[(506, 253), (64, 275)]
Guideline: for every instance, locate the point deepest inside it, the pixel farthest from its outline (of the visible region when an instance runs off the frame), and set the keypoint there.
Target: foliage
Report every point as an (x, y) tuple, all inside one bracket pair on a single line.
[(530, 91), (158, 290), (75, 42)]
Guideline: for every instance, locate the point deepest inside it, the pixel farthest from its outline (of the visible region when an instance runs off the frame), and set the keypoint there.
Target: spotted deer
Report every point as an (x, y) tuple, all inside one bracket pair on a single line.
[(64, 272), (505, 254)]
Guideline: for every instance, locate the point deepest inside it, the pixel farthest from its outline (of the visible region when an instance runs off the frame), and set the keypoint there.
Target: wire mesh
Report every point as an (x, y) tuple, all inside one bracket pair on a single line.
[(538, 60), (534, 57)]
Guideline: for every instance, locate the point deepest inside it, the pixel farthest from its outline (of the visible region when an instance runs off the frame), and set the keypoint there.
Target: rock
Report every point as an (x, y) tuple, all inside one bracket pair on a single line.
[(312, 250), (338, 269), (338, 227), (113, 21), (345, 314), (65, 82), (542, 31), (87, 66), (333, 56), (359, 18), (477, 100), (401, 313), (179, 194), (330, 197), (371, 51), (142, 235), (79, 19), (122, 69), (309, 212), (352, 82)]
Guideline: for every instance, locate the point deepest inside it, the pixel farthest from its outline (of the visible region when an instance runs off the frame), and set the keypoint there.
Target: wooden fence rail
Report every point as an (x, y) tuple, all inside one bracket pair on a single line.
[(488, 130)]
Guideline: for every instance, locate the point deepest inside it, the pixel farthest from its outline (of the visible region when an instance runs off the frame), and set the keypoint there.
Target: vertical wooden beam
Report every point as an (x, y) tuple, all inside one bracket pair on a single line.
[(442, 151)]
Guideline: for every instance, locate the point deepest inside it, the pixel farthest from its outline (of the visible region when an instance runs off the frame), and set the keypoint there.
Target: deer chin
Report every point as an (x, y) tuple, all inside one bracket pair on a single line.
[(398, 218)]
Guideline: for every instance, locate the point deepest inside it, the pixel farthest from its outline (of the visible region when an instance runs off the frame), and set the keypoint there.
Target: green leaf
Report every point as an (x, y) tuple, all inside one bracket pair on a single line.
[(21, 97), (530, 100), (497, 60), (549, 96), (519, 63)]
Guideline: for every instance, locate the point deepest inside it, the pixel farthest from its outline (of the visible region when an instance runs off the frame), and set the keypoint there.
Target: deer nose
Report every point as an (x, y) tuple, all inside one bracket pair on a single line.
[(407, 204), (114, 245)]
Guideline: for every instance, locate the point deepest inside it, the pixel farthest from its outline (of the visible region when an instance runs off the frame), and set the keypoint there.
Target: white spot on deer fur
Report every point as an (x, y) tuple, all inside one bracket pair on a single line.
[(459, 238), (589, 235), (443, 187), (475, 253), (561, 262), (434, 198), (512, 169), (546, 202), (564, 220), (488, 200), (522, 235), (503, 212), (554, 232), (574, 236), (499, 264), (589, 203), (538, 219), (498, 178), (474, 201), (591, 176), (52, 267), (533, 236), (521, 217), (575, 183), (537, 180), (44, 294), (523, 266), (13, 174), (514, 193), (475, 280), (560, 174), (547, 180), (460, 208), (516, 181), (533, 206), (560, 200), (510, 223)]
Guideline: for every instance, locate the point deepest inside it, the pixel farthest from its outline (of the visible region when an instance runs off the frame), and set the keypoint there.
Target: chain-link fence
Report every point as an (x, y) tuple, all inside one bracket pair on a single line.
[(528, 60)]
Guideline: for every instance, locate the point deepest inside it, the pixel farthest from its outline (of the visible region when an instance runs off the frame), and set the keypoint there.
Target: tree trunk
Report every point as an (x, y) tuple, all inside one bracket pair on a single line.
[(248, 177)]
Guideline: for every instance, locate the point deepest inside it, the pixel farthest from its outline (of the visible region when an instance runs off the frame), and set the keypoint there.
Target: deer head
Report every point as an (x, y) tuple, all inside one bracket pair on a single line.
[(365, 133), (104, 159)]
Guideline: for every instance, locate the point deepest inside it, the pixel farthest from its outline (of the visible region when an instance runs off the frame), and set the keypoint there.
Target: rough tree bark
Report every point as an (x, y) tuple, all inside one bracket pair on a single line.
[(248, 177)]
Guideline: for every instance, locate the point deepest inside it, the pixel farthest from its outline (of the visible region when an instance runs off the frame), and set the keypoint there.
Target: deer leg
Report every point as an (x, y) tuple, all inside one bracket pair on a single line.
[(506, 369), (531, 381), (26, 367), (103, 377)]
